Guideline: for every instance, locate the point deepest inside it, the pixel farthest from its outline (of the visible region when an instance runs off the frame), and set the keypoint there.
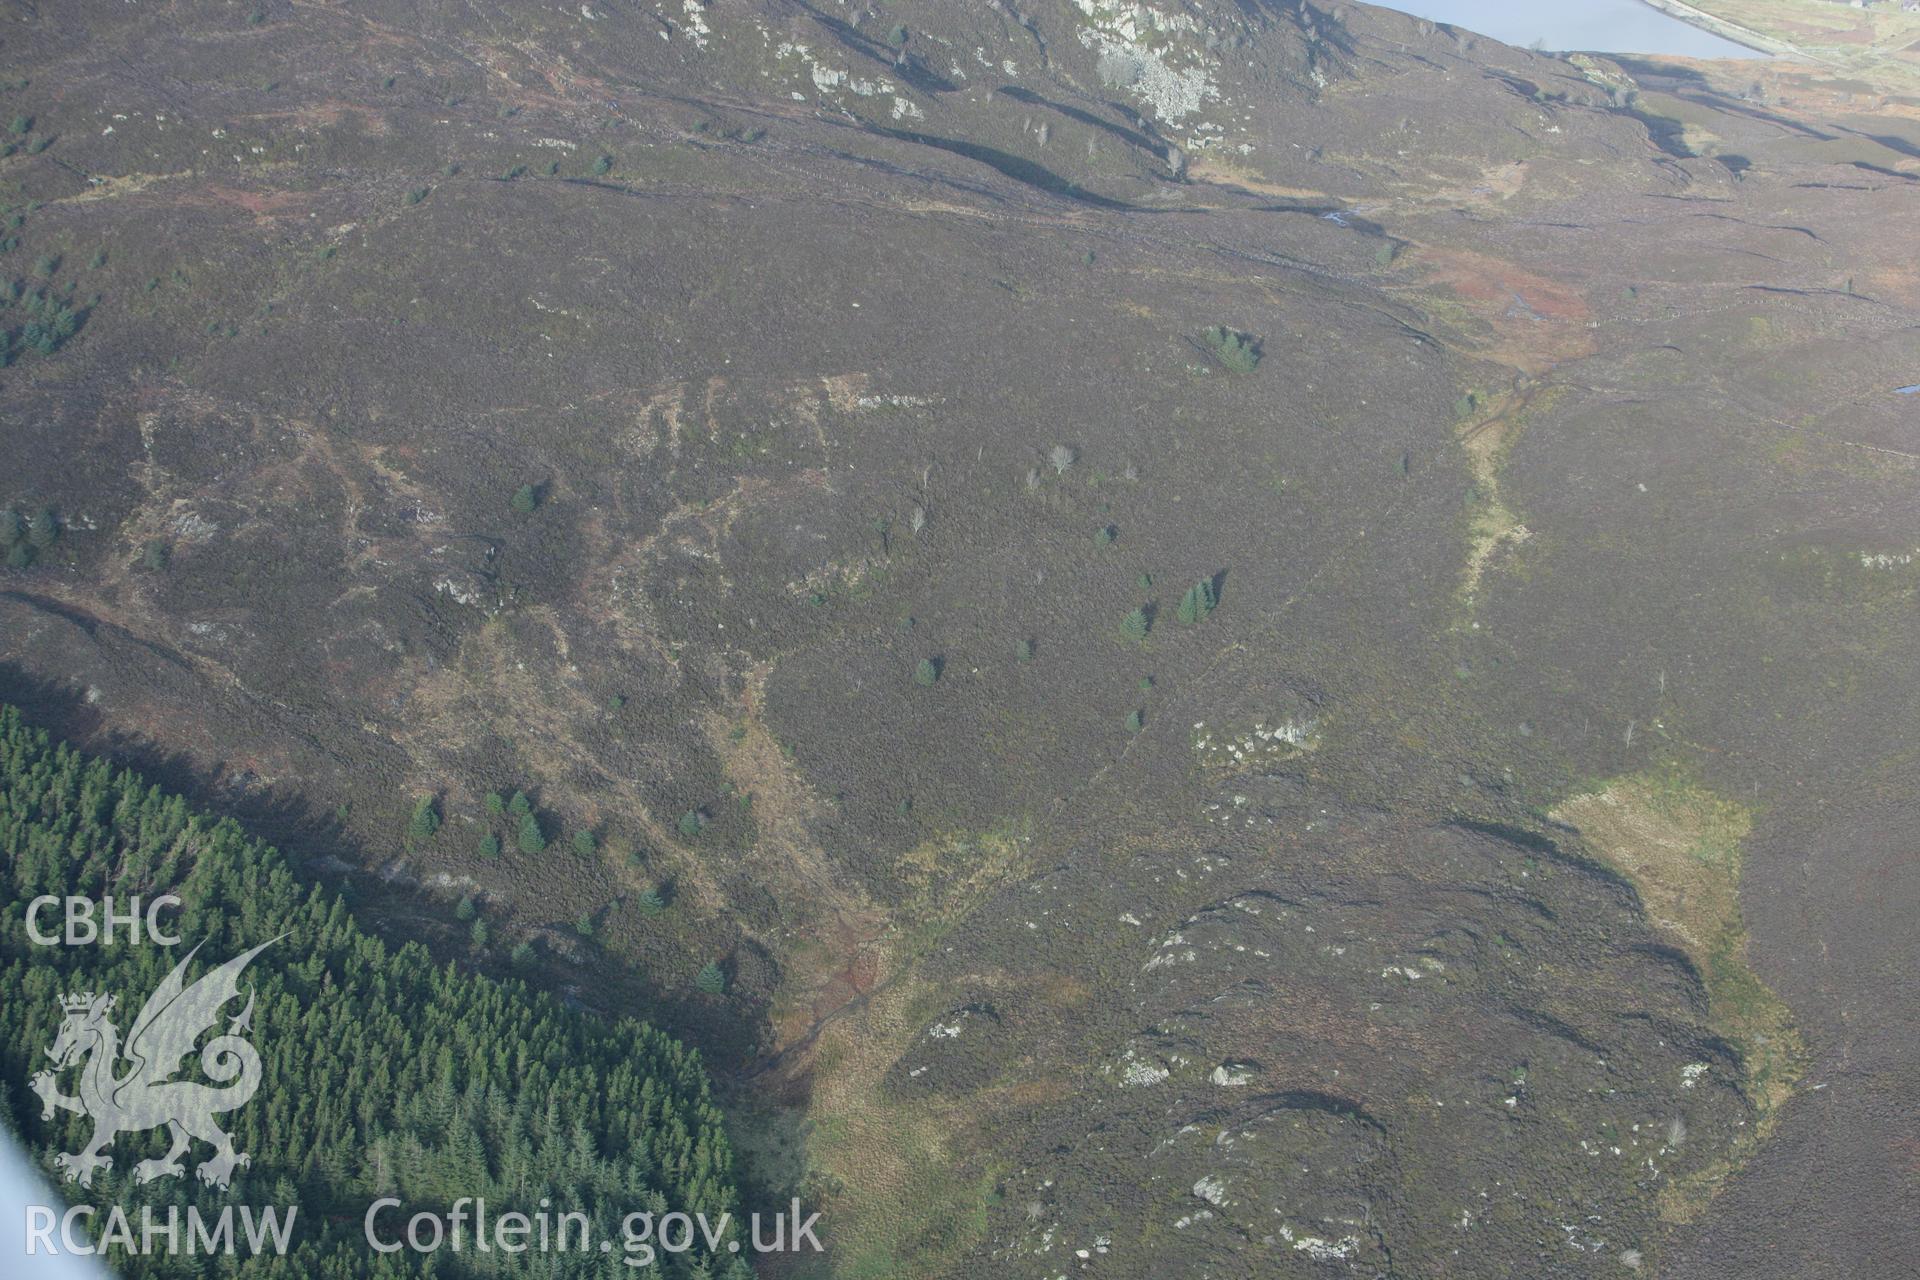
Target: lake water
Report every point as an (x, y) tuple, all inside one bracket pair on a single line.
[(1590, 26)]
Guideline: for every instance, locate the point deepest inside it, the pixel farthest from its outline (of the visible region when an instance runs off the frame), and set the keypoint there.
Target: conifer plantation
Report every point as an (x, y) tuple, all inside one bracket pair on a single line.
[(384, 1073)]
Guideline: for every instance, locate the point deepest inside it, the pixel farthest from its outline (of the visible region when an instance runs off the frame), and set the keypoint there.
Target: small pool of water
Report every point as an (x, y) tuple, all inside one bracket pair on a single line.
[(1592, 26)]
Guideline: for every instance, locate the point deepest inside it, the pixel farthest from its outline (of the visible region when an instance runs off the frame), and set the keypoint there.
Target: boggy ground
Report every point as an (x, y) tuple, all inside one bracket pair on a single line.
[(1503, 878)]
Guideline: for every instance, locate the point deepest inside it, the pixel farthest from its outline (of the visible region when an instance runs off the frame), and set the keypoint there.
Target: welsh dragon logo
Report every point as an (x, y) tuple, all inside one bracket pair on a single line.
[(144, 1096)]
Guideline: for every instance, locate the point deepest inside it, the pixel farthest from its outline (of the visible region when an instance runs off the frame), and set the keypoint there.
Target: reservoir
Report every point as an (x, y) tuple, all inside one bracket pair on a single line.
[(1588, 26)]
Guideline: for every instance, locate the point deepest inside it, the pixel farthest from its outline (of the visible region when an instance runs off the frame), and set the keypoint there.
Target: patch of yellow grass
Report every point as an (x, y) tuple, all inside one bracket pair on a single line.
[(1681, 845), (113, 186), (902, 1200), (959, 864), (1226, 173), (1487, 437)]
